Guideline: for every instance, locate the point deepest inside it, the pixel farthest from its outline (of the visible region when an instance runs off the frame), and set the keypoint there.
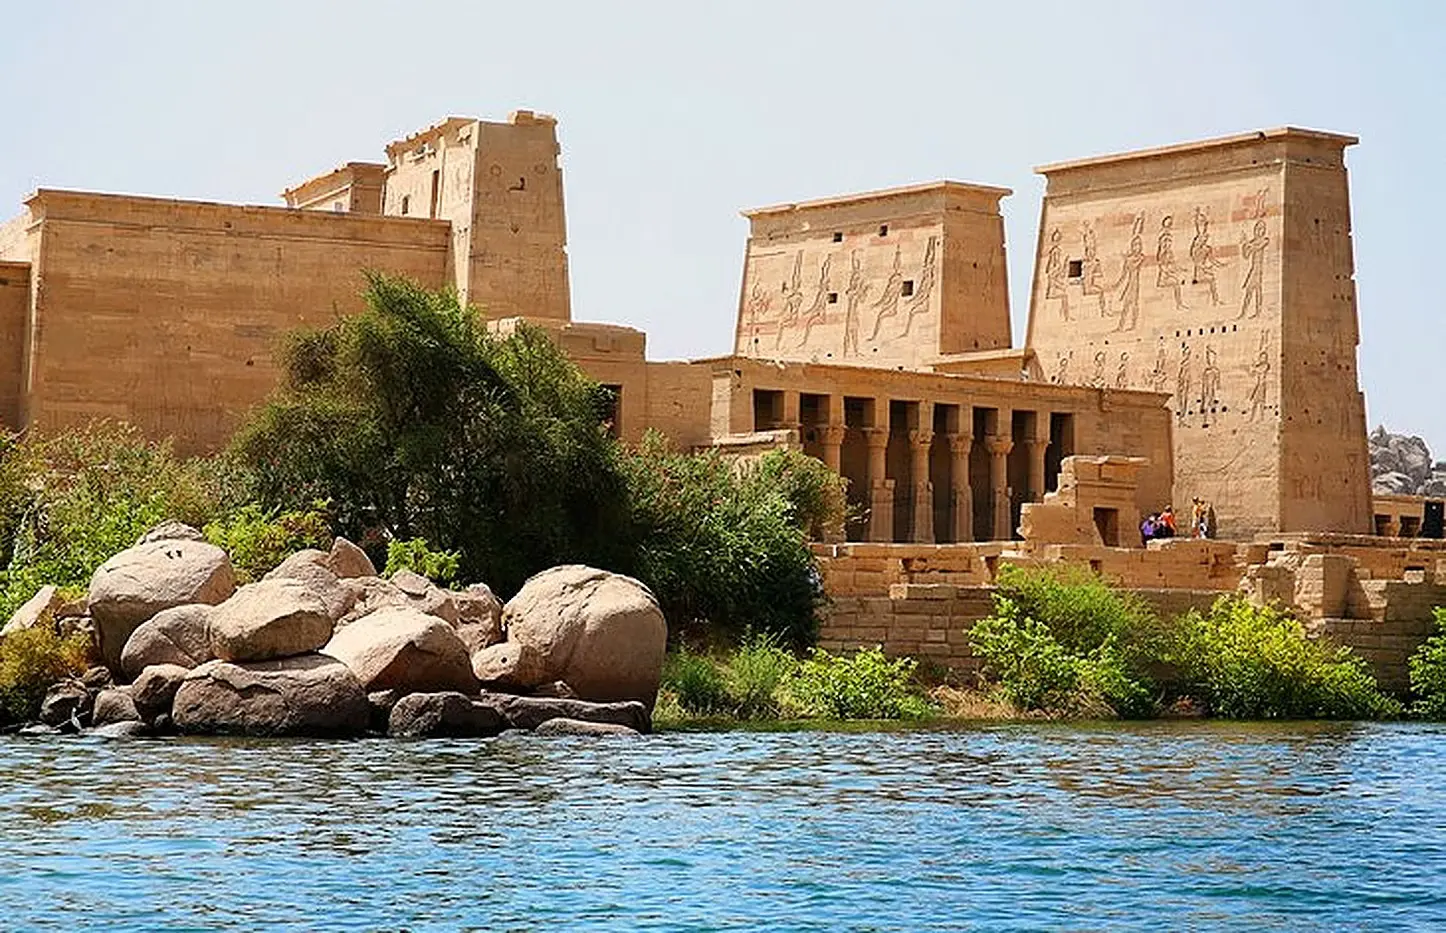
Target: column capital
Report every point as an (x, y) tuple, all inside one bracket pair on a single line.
[(960, 444), (832, 433), (1036, 443), (999, 445), (877, 437), (921, 438)]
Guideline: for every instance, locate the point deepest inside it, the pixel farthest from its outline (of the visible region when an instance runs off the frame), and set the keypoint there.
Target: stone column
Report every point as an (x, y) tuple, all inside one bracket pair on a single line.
[(919, 442), (999, 448), (832, 437), (962, 492), (1036, 447), (881, 489)]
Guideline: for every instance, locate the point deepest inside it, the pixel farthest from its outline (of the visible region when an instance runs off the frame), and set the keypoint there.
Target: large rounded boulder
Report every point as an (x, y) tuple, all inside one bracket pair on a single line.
[(310, 567), (307, 695), (180, 635), (404, 649), (141, 581), (270, 619), (602, 633)]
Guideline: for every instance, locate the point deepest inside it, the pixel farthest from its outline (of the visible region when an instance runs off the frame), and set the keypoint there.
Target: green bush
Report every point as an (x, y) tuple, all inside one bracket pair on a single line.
[(414, 421), (417, 556), (696, 683), (866, 685), (1062, 641), (1255, 662), (756, 675), (726, 541), (257, 539), (68, 502), (1428, 672), (30, 661)]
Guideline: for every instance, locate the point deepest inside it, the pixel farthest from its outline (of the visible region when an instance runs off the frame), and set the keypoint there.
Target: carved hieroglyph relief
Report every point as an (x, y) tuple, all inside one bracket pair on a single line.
[(924, 289), (854, 294), (1128, 284), (1055, 270), (1167, 274), (792, 299), (817, 311), (888, 304)]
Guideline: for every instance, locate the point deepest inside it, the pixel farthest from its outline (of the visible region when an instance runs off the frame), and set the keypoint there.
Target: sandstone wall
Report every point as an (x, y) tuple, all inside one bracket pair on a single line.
[(888, 278), (1220, 273), (167, 313), (14, 311)]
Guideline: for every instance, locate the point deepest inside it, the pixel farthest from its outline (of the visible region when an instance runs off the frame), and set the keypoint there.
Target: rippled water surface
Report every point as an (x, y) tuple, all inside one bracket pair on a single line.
[(1159, 826)]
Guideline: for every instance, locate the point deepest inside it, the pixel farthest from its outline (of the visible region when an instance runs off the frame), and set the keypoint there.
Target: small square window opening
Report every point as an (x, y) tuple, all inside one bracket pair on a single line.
[(833, 298), (907, 288), (838, 237), (883, 229), (1076, 268)]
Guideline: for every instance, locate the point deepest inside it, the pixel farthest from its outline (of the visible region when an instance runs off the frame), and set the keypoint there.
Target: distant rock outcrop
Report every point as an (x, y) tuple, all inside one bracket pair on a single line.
[(1402, 465)]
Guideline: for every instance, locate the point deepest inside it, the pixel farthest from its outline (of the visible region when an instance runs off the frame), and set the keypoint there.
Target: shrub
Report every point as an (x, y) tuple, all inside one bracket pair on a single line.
[(1063, 642), (1255, 662), (866, 685), (257, 539), (1428, 672), (417, 556), (68, 502), (415, 422), (695, 683), (30, 661), (755, 675), (726, 541)]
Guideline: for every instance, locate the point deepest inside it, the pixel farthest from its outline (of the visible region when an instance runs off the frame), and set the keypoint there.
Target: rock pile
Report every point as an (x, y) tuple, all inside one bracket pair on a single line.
[(325, 646), (1402, 465)]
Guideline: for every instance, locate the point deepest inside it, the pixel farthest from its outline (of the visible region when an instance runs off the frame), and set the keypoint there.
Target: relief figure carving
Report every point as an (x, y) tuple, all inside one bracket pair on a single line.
[(1209, 385), (1184, 379), (1061, 370), (1055, 285), (919, 303), (817, 311), (1167, 273), (1122, 373), (1092, 272), (1097, 378), (1202, 255), (1128, 283), (1259, 374), (1159, 377), (792, 299), (854, 293), (1253, 251), (888, 304)]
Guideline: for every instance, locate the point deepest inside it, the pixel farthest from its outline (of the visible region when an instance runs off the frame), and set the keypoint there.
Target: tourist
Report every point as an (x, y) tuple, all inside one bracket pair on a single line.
[(1148, 529), (1197, 518), (1167, 523)]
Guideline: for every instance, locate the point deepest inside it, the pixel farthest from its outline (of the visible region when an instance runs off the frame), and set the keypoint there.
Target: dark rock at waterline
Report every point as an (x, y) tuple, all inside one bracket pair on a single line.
[(163, 725), (448, 714), (562, 726), (155, 689), (379, 707), (66, 701), (97, 678), (114, 705), (305, 695), (530, 712)]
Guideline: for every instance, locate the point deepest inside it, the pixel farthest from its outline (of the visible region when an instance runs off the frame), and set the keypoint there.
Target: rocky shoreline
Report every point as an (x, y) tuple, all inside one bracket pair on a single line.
[(323, 646)]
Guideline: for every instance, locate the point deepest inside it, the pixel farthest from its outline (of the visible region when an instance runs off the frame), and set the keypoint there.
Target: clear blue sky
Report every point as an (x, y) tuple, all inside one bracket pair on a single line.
[(676, 115)]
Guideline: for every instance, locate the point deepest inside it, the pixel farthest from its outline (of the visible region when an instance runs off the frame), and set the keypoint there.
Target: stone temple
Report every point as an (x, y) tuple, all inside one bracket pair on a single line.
[(1193, 311)]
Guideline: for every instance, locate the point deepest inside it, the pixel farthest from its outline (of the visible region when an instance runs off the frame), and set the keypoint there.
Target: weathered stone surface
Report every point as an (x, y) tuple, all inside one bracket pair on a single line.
[(180, 635), (448, 714), (348, 561), (370, 594), (97, 678), (601, 632), (425, 595), (65, 701), (114, 705), (306, 695), (155, 689), (479, 617), (171, 530), (124, 729), (379, 706), (558, 690), (40, 606), (309, 567), (403, 649), (530, 712), (140, 581), (269, 619), (562, 726)]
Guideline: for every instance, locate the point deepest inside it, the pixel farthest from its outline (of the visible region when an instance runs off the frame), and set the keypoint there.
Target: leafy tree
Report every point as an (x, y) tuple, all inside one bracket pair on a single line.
[(415, 422)]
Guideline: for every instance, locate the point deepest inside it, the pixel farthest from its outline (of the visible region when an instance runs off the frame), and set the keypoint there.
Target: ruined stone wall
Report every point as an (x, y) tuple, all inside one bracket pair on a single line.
[(890, 278), (1220, 273), (167, 313), (14, 312), (678, 400)]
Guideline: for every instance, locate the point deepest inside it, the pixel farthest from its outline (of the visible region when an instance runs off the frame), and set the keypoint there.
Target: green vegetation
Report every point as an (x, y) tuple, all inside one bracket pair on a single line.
[(30, 661), (69, 502), (1428, 672), (258, 539), (761, 680), (417, 556), (1063, 643)]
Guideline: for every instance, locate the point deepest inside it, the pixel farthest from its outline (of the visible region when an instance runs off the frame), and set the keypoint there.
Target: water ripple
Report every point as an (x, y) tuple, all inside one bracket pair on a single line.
[(1162, 825)]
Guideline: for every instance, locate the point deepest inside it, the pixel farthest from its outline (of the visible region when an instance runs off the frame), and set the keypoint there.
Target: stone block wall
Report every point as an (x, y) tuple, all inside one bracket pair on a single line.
[(14, 308)]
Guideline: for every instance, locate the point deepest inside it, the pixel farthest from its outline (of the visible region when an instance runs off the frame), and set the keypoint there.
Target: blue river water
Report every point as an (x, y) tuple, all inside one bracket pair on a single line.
[(1161, 826)]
